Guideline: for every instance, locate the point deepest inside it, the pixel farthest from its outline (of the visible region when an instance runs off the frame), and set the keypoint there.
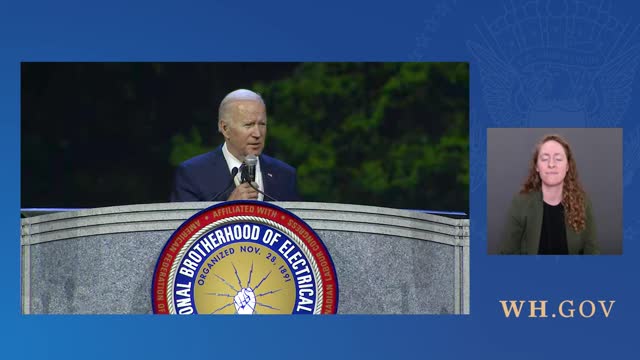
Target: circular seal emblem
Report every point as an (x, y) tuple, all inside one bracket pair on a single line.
[(244, 257)]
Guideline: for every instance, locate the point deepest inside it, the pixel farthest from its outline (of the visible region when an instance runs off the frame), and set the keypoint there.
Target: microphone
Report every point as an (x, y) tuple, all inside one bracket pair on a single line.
[(249, 174), (234, 172), (251, 161)]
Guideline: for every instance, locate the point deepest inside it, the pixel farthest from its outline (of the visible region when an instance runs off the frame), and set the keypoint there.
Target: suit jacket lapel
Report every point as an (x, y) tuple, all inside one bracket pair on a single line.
[(268, 179), (573, 241), (535, 227), (222, 177)]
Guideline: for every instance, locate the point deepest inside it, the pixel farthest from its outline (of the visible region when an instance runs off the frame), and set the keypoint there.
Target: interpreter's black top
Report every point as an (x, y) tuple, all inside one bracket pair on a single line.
[(553, 237)]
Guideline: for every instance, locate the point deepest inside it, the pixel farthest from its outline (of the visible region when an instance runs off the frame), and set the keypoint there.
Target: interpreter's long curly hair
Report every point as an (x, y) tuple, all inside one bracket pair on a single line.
[(573, 195)]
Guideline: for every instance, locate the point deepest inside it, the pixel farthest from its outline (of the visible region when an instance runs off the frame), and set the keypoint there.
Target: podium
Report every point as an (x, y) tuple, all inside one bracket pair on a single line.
[(101, 261)]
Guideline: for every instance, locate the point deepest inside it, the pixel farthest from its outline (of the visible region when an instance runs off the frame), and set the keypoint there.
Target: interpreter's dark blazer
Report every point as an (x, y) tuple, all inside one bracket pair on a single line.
[(521, 234), (205, 178)]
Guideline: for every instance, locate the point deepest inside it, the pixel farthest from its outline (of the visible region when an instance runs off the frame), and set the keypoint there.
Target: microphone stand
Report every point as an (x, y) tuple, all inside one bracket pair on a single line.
[(246, 178), (258, 190)]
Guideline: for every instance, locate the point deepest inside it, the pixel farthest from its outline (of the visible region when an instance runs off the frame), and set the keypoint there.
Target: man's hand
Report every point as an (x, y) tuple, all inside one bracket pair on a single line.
[(244, 192)]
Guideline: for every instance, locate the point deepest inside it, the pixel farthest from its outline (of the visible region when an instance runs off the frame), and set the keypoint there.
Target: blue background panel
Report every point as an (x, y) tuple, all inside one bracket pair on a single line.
[(533, 63)]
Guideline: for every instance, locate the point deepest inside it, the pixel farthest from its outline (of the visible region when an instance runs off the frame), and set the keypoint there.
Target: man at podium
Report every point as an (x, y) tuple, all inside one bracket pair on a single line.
[(237, 170)]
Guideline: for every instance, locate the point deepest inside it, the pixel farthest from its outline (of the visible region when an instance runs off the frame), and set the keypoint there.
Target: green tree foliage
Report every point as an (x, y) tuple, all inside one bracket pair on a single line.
[(186, 147), (385, 134)]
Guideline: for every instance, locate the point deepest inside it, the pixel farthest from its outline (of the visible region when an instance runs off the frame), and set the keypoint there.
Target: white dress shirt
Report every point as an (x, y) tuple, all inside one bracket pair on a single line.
[(232, 162)]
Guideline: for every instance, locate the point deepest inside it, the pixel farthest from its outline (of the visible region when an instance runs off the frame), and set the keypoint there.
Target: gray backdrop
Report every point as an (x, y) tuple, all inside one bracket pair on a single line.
[(598, 155)]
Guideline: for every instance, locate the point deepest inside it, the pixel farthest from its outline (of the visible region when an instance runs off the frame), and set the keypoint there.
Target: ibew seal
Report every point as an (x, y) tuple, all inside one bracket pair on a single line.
[(244, 257)]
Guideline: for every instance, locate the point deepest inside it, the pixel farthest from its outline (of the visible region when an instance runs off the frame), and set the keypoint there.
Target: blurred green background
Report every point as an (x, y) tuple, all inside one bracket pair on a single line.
[(383, 134)]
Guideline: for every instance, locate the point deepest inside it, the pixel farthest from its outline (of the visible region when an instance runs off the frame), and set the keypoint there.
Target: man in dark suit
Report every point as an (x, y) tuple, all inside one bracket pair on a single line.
[(242, 120)]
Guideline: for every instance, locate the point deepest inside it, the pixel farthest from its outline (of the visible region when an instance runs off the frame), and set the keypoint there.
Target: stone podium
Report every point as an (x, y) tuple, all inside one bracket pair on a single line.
[(101, 261)]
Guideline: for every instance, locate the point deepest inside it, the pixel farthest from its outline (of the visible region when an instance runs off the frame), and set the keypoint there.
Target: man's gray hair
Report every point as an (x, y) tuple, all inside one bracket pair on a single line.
[(236, 95)]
